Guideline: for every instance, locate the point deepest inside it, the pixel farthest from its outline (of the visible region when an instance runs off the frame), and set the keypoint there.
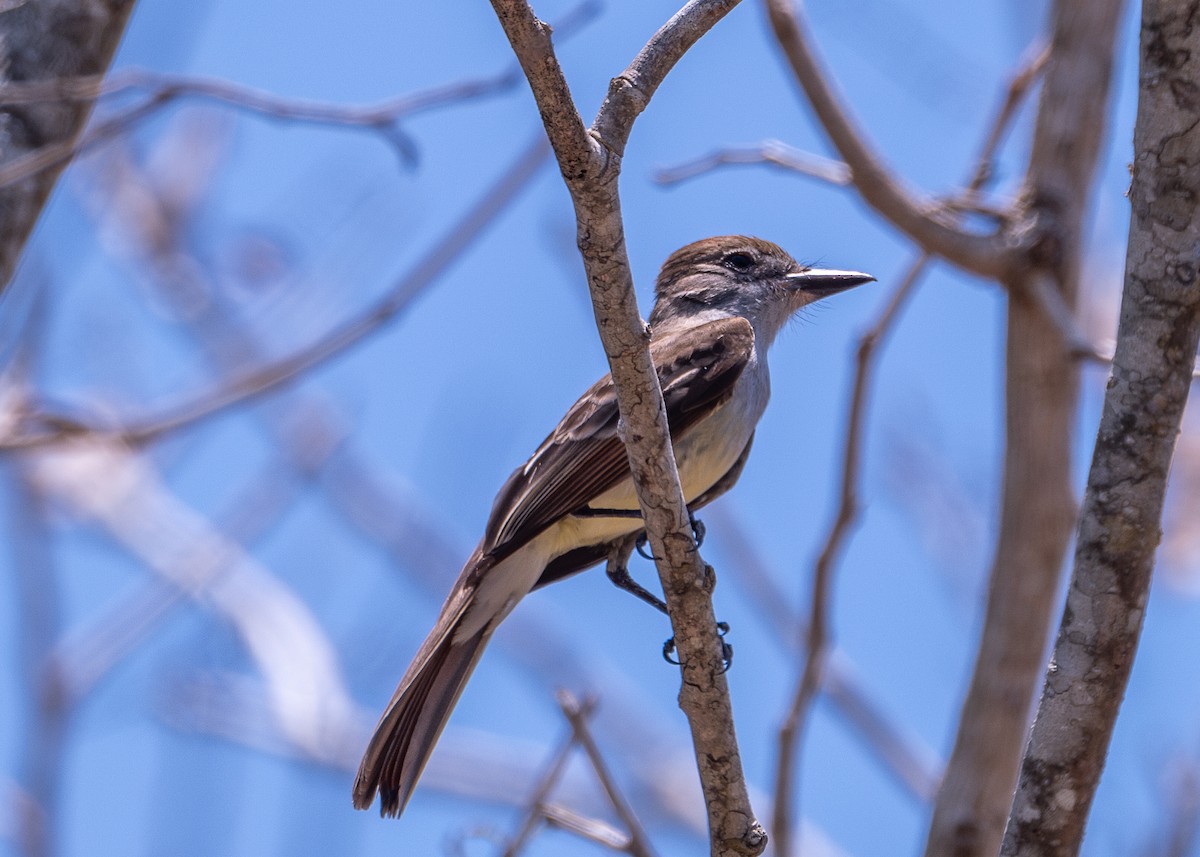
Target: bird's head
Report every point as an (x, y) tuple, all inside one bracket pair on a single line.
[(733, 275)]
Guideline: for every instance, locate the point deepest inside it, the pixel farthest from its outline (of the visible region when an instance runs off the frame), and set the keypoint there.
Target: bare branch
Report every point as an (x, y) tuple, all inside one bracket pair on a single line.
[(591, 829), (106, 482), (631, 91), (577, 715), (281, 372), (923, 220), (768, 152), (903, 755), (1120, 521), (818, 634), (590, 163), (382, 118), (1038, 505), (540, 810), (86, 655), (536, 805), (44, 743), (1056, 309), (1019, 85), (287, 370)]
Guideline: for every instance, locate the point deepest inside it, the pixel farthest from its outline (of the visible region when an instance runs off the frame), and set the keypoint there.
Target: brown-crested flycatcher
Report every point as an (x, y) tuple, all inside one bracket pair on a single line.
[(718, 305)]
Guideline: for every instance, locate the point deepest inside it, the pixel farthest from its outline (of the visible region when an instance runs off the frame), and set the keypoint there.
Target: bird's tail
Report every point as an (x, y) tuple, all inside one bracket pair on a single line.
[(413, 720)]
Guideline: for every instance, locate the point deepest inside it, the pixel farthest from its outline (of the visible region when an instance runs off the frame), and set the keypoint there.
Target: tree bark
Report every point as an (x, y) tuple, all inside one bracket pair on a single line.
[(1119, 527), (47, 40), (590, 162)]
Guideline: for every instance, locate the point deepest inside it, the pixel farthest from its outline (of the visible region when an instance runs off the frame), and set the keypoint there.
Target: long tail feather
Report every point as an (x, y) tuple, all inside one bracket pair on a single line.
[(409, 728)]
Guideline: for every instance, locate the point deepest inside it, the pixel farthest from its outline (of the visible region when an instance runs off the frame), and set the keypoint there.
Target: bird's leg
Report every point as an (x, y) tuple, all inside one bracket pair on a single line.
[(618, 572)]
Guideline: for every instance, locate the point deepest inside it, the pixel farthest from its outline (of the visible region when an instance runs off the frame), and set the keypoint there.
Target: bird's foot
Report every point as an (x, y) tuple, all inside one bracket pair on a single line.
[(698, 533), (618, 573), (698, 529), (726, 650)]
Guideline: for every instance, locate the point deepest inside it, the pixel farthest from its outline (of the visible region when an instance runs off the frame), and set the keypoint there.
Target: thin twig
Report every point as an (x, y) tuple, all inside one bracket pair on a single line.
[(162, 89), (535, 806), (903, 755), (40, 625), (818, 634), (771, 152), (44, 741), (577, 715), (924, 221), (89, 654), (1029, 69), (286, 370), (591, 829), (1055, 307), (540, 810)]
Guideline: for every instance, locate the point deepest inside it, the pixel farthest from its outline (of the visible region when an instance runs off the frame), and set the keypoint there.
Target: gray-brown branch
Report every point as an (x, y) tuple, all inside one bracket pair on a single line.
[(1038, 502), (1119, 526), (590, 160), (923, 220)]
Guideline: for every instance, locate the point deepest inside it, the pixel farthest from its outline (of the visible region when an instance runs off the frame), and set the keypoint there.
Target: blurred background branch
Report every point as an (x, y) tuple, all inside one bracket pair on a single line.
[(231, 514)]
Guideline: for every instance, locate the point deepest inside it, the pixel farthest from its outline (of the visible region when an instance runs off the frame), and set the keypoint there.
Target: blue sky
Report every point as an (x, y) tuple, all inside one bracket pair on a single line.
[(441, 416)]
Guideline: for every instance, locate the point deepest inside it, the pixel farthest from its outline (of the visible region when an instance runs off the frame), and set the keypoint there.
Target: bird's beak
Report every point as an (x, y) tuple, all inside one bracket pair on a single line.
[(820, 281)]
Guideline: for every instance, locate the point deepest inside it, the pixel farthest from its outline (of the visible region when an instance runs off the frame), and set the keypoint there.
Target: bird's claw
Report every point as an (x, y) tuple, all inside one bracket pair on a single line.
[(640, 544), (726, 650), (698, 533)]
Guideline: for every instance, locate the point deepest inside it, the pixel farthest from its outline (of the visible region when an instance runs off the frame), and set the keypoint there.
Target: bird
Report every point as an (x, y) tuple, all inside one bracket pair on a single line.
[(719, 304)]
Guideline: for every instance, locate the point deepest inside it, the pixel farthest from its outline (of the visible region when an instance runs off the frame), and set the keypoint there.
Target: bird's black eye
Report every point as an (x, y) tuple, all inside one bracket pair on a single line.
[(741, 262)]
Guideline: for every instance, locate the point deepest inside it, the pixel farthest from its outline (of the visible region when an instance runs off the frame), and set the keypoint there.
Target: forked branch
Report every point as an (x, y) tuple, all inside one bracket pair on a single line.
[(922, 219), (590, 160)]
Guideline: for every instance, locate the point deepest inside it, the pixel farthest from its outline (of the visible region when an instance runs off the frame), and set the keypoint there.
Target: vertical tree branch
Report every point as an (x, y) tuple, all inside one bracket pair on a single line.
[(50, 707), (818, 637), (39, 41), (1038, 502), (1119, 526), (590, 160)]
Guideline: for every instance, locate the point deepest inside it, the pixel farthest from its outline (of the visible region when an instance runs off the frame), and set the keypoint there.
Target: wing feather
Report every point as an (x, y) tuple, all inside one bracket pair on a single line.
[(584, 456)]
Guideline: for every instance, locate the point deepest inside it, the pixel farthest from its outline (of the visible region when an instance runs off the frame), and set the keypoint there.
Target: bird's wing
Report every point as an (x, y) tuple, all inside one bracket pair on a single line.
[(584, 456)]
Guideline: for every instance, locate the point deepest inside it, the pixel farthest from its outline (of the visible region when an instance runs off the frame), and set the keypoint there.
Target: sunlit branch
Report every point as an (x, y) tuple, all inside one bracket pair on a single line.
[(923, 220), (771, 152), (590, 162)]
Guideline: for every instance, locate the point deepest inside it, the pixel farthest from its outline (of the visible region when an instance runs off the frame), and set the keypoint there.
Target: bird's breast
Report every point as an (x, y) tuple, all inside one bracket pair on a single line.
[(703, 455)]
